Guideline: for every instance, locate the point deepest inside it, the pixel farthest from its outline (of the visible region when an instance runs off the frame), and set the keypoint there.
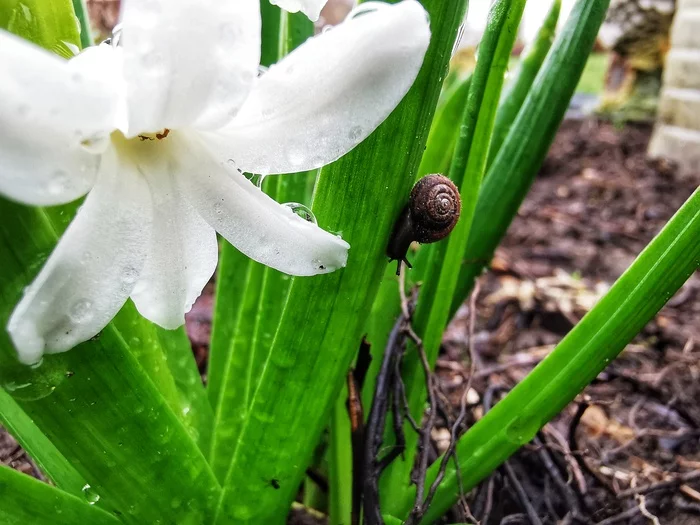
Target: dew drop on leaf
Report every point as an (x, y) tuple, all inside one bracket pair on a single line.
[(90, 495)]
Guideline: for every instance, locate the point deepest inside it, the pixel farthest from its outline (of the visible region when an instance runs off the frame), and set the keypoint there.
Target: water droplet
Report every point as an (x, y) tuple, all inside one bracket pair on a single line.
[(153, 59), (256, 178), (355, 133), (129, 275), (59, 183), (295, 158), (302, 211), (522, 429), (230, 34), (81, 311), (90, 495)]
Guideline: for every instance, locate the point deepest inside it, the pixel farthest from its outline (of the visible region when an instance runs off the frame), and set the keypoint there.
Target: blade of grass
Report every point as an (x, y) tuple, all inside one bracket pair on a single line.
[(516, 91), (322, 324), (657, 273), (26, 500), (445, 129), (97, 405), (230, 286), (47, 457), (467, 169), (525, 148), (340, 472), (81, 13), (194, 406)]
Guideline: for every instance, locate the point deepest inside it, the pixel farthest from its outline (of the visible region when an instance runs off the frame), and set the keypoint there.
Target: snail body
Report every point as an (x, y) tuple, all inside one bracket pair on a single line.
[(431, 214)]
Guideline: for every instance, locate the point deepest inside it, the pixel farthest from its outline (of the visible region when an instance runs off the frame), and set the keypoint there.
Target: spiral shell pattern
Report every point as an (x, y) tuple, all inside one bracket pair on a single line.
[(435, 206)]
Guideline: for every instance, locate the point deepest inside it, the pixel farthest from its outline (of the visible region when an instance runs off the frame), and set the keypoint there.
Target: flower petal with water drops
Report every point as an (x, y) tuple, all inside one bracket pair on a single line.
[(48, 107), (250, 220), (182, 255), (328, 95), (311, 8), (93, 269), (188, 63)]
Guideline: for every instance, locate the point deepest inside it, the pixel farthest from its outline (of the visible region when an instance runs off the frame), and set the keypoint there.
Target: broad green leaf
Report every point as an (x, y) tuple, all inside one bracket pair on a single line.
[(27, 501), (234, 267), (196, 412), (52, 25), (321, 327), (97, 405), (513, 170), (265, 292), (636, 297), (40, 449), (230, 285), (516, 91), (467, 170)]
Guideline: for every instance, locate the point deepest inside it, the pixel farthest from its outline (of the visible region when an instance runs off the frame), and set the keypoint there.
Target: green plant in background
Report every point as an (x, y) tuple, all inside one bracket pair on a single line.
[(123, 426)]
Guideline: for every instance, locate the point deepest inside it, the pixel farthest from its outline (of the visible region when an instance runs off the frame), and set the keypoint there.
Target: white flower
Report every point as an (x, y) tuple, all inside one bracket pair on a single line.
[(151, 129), (311, 8)]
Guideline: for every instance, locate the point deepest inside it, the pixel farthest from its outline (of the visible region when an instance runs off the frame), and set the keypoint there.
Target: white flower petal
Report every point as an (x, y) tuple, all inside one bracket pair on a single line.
[(311, 8), (48, 106), (188, 63), (93, 269), (330, 94), (182, 256), (250, 220)]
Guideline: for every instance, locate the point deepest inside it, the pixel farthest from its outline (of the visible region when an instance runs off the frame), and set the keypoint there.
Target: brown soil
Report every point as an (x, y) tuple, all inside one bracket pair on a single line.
[(597, 202)]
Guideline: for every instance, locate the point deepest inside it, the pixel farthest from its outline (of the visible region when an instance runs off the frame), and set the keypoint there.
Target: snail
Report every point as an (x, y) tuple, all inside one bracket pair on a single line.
[(430, 215)]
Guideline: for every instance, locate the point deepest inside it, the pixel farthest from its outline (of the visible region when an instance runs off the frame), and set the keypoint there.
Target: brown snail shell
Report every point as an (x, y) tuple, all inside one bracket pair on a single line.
[(431, 214)]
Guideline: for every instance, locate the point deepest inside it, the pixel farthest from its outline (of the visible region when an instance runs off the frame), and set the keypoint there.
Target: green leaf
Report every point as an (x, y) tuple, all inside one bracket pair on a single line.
[(322, 323), (265, 292), (441, 272), (514, 168), (340, 469), (230, 286), (26, 500), (51, 25), (196, 412), (657, 273), (40, 449), (445, 129), (97, 405), (81, 13), (514, 96)]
